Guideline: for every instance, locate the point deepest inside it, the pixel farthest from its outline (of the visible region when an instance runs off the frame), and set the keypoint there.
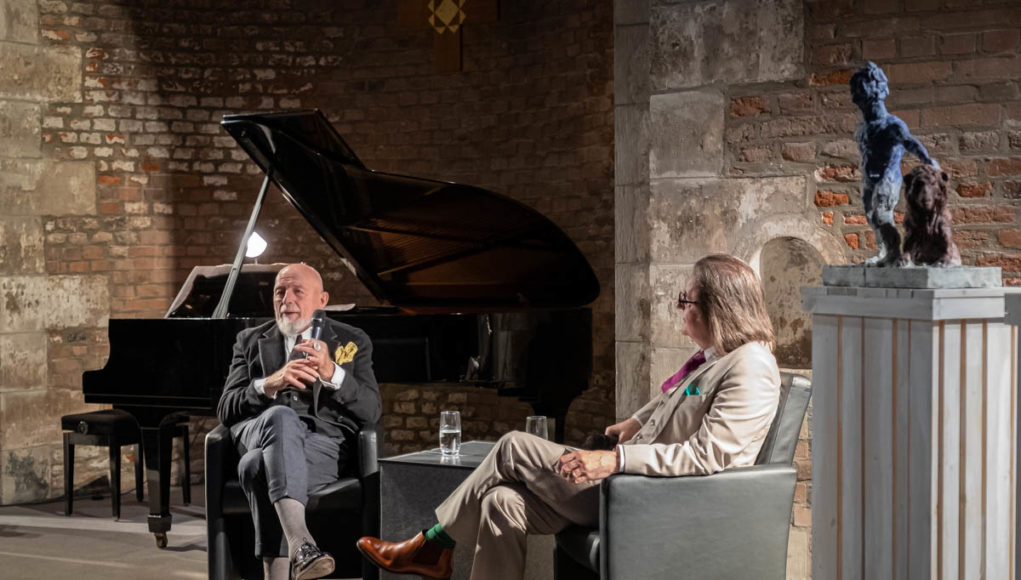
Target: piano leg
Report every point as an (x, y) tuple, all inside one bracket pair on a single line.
[(157, 447)]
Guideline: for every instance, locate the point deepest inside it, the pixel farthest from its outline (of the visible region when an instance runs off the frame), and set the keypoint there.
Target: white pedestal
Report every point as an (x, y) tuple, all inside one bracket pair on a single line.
[(914, 433), (1013, 317)]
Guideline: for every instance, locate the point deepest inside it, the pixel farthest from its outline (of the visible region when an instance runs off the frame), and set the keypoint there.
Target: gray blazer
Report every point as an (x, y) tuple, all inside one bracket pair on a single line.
[(259, 352)]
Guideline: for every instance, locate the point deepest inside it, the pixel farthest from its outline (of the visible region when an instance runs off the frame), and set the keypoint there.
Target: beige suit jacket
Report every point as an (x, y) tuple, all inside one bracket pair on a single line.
[(721, 427)]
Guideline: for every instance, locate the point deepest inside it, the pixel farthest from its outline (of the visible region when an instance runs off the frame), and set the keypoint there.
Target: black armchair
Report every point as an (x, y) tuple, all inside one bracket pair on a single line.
[(336, 515), (729, 525)]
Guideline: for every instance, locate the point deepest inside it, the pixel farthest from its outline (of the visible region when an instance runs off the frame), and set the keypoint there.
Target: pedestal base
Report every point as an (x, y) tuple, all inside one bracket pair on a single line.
[(911, 277)]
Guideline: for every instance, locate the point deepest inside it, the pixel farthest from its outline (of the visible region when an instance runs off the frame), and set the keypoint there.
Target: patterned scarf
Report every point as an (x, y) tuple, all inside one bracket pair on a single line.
[(697, 360)]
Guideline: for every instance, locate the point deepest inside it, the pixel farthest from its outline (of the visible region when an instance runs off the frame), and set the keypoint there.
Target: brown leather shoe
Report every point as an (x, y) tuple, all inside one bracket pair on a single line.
[(414, 556)]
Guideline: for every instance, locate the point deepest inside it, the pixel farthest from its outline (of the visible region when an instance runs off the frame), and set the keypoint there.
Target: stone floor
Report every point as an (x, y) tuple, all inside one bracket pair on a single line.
[(38, 541)]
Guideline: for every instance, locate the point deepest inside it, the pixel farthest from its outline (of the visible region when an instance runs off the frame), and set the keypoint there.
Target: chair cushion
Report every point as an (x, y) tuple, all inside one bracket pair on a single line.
[(345, 494), (233, 500), (582, 544), (106, 422)]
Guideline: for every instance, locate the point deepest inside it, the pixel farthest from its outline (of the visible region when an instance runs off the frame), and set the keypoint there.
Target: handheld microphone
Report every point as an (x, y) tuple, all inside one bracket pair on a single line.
[(318, 322)]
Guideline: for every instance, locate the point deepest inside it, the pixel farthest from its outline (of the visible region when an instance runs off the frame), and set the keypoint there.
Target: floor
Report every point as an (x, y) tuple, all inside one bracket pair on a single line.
[(39, 541)]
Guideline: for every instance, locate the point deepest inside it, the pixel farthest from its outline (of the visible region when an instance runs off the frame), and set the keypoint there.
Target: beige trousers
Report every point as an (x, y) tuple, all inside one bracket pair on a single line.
[(515, 491)]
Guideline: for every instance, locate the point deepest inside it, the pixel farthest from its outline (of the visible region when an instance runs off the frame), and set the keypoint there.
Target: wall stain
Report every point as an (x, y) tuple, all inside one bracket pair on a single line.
[(11, 303), (28, 481)]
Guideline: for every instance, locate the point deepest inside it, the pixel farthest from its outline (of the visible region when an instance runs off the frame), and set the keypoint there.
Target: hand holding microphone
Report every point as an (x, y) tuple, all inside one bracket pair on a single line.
[(314, 349), (318, 321)]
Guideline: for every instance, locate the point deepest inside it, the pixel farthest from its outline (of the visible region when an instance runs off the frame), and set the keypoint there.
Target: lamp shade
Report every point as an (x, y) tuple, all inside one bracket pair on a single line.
[(256, 246)]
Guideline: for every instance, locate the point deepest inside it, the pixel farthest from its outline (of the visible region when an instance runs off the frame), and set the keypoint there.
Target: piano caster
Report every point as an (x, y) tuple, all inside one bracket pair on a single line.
[(161, 539)]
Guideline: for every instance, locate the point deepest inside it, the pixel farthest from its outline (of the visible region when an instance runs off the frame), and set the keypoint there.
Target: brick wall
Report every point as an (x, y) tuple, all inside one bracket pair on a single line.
[(953, 70), (412, 415), (530, 116)]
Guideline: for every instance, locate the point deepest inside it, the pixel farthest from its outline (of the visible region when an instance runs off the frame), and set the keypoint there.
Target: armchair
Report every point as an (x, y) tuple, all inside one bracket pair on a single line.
[(336, 515), (729, 525)]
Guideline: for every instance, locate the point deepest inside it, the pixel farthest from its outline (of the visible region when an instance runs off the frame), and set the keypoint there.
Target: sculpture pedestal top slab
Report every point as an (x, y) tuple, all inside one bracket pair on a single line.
[(911, 277)]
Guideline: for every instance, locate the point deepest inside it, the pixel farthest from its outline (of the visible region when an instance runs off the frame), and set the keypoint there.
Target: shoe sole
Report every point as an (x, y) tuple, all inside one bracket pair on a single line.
[(321, 567), (383, 566), (374, 561)]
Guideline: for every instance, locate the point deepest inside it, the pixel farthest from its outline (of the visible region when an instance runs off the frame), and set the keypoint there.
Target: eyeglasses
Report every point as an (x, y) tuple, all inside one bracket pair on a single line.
[(682, 300)]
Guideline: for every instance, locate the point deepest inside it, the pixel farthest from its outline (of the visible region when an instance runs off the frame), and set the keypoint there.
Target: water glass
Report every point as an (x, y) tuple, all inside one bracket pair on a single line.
[(537, 425), (450, 433)]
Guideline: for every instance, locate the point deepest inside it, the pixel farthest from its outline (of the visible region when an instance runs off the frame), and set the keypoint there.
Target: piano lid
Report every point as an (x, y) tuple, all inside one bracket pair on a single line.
[(416, 242)]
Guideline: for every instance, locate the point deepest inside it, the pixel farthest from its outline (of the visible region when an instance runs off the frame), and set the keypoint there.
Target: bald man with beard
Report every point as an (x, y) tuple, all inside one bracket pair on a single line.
[(294, 407)]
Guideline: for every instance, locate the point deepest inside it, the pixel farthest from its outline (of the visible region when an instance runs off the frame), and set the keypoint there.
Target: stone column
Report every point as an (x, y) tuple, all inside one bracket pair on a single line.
[(915, 425), (632, 300), (37, 310)]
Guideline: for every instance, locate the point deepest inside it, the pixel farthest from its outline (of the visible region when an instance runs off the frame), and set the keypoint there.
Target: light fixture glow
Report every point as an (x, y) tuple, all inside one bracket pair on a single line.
[(256, 246)]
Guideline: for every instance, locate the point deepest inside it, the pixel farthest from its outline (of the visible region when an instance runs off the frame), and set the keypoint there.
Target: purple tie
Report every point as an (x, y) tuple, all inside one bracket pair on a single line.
[(693, 363)]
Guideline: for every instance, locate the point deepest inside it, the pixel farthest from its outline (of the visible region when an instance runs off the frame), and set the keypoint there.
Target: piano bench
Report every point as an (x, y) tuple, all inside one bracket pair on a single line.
[(114, 428)]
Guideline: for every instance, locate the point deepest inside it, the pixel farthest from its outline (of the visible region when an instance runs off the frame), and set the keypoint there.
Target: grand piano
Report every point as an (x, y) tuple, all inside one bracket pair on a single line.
[(478, 289)]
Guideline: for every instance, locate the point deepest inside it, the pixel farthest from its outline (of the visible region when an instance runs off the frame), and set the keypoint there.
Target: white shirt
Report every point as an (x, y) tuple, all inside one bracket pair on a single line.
[(333, 383)]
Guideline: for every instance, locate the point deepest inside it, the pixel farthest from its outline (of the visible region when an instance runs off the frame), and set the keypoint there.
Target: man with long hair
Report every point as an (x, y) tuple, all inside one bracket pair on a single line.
[(711, 415)]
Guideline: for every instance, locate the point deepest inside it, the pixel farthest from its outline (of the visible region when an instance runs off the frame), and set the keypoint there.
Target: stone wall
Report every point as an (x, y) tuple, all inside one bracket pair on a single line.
[(117, 179), (734, 133)]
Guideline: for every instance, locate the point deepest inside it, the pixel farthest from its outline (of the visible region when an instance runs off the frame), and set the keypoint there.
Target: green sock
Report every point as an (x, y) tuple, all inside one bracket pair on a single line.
[(437, 535)]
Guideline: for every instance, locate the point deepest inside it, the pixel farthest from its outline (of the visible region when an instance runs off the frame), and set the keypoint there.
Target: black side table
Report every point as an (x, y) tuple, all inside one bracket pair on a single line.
[(413, 484)]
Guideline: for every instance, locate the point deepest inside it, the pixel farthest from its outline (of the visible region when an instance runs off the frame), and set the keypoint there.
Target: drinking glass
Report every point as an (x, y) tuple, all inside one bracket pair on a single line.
[(537, 425), (450, 433)]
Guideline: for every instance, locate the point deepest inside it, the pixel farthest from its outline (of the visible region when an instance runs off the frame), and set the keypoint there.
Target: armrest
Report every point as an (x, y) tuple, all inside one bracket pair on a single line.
[(732, 524), (219, 436), (219, 448), (368, 449)]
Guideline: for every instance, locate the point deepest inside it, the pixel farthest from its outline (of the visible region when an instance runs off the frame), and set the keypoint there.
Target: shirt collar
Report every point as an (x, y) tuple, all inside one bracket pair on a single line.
[(289, 340), (306, 334), (710, 354)]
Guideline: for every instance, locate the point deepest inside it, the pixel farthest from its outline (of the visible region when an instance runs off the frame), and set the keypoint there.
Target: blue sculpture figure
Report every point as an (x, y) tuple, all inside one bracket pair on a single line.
[(882, 139)]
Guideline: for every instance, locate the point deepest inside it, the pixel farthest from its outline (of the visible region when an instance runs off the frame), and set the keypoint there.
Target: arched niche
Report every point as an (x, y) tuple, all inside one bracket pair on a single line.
[(785, 265)]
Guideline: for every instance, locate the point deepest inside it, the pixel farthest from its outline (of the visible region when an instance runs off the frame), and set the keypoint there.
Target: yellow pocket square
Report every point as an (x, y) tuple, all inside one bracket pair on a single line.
[(346, 353)]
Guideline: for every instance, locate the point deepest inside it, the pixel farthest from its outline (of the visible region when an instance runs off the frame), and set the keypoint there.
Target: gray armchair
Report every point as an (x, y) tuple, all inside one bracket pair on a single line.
[(728, 526)]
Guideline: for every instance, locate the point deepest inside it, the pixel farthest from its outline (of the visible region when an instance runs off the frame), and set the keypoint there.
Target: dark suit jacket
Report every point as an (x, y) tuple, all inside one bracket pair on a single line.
[(259, 352)]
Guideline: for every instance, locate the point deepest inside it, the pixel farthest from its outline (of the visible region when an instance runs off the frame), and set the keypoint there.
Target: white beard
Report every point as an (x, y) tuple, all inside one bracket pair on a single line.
[(292, 327)]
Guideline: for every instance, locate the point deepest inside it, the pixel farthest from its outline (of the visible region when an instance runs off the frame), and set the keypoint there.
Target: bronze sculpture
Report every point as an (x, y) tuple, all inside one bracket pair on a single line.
[(927, 237), (882, 139)]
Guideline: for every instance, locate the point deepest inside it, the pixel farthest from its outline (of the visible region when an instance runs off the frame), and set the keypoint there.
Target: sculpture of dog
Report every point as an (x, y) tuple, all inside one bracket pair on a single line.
[(927, 236)]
